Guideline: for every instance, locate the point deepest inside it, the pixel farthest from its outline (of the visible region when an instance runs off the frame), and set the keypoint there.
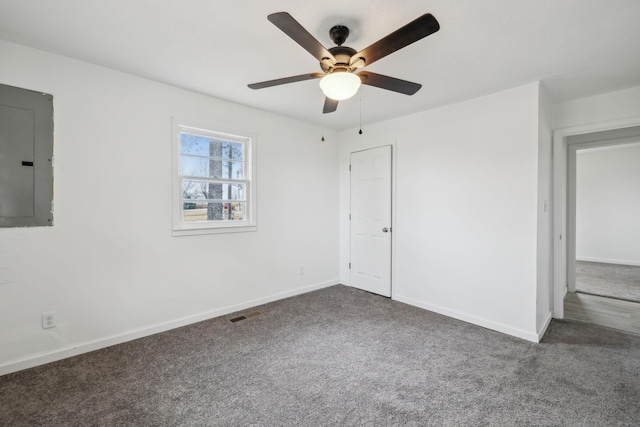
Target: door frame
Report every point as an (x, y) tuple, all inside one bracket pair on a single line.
[(394, 156), (563, 223)]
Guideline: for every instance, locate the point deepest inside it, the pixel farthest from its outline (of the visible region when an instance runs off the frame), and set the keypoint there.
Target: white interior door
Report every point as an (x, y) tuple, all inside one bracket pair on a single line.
[(370, 233)]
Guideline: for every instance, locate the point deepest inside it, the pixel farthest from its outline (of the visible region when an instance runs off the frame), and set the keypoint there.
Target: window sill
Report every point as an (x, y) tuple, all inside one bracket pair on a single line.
[(213, 230)]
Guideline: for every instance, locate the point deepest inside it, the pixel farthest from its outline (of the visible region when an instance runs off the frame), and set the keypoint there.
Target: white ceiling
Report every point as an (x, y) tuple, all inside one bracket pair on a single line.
[(577, 47)]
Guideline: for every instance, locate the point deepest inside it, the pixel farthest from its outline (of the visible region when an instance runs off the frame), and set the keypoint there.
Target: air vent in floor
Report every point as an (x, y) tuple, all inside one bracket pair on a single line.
[(245, 316)]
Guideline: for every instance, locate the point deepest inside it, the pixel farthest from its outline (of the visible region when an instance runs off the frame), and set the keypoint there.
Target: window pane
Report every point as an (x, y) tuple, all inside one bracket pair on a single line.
[(232, 150), (209, 168), (213, 211), (211, 147), (199, 190)]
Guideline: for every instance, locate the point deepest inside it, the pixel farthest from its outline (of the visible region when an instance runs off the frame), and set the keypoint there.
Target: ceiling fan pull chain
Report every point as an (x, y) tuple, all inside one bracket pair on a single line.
[(360, 131)]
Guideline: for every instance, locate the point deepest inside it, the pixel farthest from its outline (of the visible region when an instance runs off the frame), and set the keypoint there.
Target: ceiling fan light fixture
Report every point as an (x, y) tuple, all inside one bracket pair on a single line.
[(340, 85)]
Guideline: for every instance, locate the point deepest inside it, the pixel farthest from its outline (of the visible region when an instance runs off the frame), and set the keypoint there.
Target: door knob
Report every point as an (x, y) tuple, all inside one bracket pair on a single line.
[(385, 230)]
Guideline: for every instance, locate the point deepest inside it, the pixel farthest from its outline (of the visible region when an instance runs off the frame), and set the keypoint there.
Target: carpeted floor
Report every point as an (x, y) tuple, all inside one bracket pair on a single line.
[(608, 280), (338, 357)]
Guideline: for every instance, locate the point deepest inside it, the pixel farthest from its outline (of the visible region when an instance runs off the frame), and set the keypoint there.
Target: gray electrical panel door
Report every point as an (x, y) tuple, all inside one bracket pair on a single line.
[(26, 150)]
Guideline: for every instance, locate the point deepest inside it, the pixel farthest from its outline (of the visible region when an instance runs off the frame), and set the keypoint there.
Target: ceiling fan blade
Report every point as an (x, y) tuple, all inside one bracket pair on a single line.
[(389, 83), (300, 35), (330, 105), (412, 32), (285, 80)]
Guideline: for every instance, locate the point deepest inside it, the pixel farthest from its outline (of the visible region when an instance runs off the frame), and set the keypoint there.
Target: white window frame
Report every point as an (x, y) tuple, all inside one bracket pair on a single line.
[(181, 228)]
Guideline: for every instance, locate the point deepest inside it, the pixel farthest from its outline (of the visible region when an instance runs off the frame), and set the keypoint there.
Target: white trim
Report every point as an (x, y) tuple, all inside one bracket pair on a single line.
[(529, 336), (560, 201), (616, 146), (570, 224), (609, 261), (218, 229), (545, 325), (559, 211), (394, 193), (63, 353)]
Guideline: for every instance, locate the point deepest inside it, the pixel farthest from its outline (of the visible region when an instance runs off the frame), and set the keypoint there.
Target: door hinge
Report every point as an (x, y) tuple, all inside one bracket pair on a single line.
[(349, 266), (349, 168), (349, 217)]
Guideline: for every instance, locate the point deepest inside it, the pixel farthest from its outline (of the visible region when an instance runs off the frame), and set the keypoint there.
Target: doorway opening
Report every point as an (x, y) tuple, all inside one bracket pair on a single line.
[(604, 207), (601, 206)]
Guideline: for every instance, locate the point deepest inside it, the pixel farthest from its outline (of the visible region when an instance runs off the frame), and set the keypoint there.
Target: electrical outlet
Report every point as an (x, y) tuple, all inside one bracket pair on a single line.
[(301, 270), (49, 320)]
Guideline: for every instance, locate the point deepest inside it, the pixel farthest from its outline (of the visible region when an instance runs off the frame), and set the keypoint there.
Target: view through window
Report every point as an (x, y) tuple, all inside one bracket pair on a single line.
[(214, 179)]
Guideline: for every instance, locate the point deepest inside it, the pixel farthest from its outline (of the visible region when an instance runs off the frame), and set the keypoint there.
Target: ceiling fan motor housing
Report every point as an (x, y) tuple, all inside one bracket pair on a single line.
[(343, 55)]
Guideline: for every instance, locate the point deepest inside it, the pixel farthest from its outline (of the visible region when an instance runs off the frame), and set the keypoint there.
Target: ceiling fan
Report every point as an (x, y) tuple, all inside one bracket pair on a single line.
[(339, 63)]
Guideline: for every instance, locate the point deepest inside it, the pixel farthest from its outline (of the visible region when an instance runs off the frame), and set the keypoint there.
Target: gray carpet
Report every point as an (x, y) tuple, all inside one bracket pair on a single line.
[(338, 357), (608, 280)]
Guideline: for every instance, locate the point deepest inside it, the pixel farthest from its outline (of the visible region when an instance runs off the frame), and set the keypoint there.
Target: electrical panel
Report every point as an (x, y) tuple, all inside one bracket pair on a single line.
[(26, 158)]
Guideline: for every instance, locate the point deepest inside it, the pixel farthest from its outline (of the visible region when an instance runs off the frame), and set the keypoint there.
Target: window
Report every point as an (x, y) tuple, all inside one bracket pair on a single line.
[(214, 187)]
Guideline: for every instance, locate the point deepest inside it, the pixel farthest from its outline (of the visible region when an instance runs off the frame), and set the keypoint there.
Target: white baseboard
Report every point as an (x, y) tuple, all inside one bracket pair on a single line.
[(529, 336), (545, 325), (63, 353), (609, 261)]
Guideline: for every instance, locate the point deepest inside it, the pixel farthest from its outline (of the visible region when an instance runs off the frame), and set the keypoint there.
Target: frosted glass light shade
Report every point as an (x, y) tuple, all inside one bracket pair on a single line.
[(340, 85)]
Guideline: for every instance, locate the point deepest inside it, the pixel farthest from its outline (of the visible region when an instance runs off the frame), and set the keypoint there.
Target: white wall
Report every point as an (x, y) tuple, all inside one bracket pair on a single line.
[(109, 266), (596, 109), (608, 204), (466, 193)]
